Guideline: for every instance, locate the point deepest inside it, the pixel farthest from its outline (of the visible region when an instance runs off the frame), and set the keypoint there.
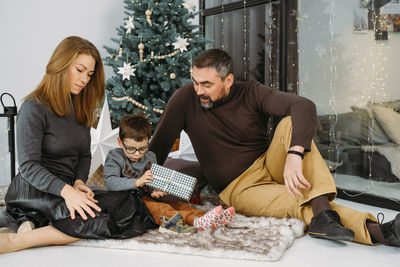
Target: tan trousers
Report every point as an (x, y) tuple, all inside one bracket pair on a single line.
[(261, 191)]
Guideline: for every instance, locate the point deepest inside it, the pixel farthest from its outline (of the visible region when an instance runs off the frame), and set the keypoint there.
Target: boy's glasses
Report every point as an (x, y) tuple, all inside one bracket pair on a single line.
[(132, 150)]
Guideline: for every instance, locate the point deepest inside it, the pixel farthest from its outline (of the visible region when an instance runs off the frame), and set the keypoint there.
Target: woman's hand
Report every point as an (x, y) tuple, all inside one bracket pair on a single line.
[(158, 193), (147, 177), (81, 186), (293, 174), (80, 201)]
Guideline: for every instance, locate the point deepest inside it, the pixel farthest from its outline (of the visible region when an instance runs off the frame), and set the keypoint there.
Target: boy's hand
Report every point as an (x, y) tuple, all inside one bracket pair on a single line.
[(158, 194), (147, 177)]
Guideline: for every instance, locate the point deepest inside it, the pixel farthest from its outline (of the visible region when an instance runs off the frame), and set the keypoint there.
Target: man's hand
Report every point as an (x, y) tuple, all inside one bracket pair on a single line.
[(80, 201), (293, 173), (147, 177)]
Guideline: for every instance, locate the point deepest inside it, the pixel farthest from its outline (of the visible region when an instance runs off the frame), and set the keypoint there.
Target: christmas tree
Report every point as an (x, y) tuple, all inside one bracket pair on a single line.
[(156, 46)]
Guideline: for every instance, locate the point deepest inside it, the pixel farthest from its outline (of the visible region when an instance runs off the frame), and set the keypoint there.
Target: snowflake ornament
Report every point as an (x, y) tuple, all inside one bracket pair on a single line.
[(181, 44), (129, 24), (188, 4), (126, 71)]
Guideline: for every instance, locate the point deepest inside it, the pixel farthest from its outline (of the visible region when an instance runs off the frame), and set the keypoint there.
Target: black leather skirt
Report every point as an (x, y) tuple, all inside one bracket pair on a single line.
[(123, 214)]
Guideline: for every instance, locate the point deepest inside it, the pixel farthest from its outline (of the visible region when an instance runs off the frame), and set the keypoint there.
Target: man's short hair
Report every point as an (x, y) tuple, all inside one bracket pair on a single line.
[(134, 126), (216, 59)]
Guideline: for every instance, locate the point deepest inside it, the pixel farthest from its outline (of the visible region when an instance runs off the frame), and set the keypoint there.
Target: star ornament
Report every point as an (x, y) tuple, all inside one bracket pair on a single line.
[(104, 138), (181, 44), (188, 4), (129, 24), (126, 71)]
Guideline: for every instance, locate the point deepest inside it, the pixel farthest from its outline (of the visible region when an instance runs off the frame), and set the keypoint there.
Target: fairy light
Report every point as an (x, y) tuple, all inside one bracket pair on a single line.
[(245, 57), (300, 21), (222, 26), (270, 43), (332, 79), (270, 74)]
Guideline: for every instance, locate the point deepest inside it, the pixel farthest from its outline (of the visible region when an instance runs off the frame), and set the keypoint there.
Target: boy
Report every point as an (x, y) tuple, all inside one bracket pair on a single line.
[(128, 168)]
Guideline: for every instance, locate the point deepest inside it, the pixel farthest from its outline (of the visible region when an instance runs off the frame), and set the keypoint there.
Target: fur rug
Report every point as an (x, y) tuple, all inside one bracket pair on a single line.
[(245, 238)]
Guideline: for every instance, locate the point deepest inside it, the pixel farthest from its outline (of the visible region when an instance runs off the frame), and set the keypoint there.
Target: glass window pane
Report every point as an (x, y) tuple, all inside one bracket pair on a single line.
[(348, 65), (246, 34)]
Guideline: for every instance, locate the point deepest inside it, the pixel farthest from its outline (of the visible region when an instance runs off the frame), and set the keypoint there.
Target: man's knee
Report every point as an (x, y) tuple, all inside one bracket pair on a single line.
[(284, 125)]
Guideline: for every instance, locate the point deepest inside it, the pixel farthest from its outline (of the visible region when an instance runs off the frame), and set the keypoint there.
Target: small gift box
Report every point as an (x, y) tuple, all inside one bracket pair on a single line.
[(172, 182)]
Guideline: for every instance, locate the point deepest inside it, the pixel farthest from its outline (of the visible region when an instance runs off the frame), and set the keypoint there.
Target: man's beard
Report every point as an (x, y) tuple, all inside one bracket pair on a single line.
[(206, 105)]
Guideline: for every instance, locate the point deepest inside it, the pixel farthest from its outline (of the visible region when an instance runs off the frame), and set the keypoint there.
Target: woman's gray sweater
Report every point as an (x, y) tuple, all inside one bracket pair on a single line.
[(48, 144)]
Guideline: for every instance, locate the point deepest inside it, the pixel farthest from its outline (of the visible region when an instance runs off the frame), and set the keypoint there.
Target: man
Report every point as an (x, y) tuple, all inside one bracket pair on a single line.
[(227, 125)]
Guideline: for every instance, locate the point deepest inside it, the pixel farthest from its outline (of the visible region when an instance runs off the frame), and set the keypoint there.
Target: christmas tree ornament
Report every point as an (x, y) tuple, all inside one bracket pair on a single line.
[(155, 43), (126, 71), (104, 138), (148, 18), (121, 50), (129, 24), (188, 4), (141, 48), (133, 101), (181, 44)]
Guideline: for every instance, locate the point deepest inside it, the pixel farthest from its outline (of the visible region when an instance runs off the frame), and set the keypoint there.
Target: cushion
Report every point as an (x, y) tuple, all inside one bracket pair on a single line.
[(368, 130), (389, 104), (390, 122), (351, 128)]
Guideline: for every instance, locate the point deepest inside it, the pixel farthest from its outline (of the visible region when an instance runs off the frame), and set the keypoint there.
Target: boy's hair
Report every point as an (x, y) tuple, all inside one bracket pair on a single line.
[(134, 126)]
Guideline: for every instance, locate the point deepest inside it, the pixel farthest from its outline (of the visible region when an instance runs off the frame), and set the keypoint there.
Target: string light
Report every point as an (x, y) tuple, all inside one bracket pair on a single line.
[(270, 74), (245, 57), (222, 26), (270, 43)]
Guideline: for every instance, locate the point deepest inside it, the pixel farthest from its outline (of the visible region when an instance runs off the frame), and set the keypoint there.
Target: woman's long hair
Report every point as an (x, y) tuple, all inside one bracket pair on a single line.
[(54, 89)]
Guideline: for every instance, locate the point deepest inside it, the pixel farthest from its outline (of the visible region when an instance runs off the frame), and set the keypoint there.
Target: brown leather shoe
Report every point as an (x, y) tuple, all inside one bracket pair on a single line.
[(327, 225), (391, 230)]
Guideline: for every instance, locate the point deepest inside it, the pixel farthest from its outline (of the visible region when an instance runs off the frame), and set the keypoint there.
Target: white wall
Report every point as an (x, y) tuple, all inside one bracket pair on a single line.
[(29, 32), (361, 68)]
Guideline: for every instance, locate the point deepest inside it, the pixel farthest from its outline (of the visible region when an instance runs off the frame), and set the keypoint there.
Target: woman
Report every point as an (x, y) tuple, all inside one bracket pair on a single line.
[(53, 138)]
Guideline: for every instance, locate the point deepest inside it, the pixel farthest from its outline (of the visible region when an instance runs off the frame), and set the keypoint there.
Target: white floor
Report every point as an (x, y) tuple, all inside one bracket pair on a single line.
[(305, 251)]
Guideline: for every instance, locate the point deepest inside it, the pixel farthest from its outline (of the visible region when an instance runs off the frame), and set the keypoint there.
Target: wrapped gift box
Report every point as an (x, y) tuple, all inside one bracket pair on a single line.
[(172, 182)]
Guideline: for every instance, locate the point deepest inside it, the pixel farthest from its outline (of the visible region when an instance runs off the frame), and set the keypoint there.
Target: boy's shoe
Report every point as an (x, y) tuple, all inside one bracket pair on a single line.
[(327, 225), (391, 230), (175, 225)]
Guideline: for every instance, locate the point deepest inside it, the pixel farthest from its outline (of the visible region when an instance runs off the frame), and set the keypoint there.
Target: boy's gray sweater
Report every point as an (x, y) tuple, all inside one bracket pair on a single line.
[(120, 173)]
